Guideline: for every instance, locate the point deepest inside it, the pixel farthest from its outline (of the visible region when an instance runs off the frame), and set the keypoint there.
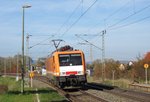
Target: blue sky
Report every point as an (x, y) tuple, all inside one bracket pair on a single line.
[(123, 40)]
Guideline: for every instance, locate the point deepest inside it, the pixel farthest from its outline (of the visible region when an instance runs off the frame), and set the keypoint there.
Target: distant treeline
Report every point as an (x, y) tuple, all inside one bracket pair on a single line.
[(14, 64), (133, 70), (9, 64)]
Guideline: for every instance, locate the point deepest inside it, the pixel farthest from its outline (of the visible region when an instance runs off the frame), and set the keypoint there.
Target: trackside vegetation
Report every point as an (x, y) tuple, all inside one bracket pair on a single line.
[(13, 93)]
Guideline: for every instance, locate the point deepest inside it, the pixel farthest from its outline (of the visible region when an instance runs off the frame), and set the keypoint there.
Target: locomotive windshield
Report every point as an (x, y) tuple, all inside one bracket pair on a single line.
[(70, 59)]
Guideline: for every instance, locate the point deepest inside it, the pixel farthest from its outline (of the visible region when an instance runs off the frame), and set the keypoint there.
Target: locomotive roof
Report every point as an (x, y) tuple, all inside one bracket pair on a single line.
[(66, 52)]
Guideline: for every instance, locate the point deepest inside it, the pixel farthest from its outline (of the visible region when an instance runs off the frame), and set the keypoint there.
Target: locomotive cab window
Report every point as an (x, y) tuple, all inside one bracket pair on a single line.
[(70, 59)]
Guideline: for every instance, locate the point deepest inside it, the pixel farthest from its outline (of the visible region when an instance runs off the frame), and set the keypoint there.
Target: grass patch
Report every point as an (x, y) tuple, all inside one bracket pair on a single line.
[(14, 95), (51, 95), (16, 98), (122, 83), (10, 82)]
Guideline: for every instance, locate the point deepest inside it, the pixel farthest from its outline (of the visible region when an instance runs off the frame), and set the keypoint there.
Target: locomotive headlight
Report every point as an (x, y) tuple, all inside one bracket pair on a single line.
[(63, 73), (80, 72)]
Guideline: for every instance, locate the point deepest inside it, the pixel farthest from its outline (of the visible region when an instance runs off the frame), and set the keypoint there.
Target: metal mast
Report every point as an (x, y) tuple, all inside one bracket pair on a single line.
[(103, 54)]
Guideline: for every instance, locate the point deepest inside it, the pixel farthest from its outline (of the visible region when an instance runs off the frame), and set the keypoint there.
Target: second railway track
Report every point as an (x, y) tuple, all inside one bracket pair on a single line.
[(128, 94)]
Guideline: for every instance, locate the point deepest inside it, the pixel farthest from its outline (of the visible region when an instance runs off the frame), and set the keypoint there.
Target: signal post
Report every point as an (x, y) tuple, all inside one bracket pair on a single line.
[(146, 67)]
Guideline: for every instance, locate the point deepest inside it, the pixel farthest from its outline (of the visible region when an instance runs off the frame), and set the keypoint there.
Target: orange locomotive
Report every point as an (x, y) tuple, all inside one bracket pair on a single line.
[(66, 67)]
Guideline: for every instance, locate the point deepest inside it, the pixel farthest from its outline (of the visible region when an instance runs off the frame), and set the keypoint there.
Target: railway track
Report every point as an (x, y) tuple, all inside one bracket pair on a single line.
[(73, 95), (79, 95), (92, 97), (134, 95)]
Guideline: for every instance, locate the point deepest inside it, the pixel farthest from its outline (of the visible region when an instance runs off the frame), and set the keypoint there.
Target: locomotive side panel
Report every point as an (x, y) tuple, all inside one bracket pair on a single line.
[(50, 67)]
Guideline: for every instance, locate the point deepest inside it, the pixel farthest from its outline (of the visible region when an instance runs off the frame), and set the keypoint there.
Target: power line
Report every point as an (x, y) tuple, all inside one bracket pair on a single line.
[(89, 34), (102, 49), (130, 23), (40, 35), (88, 42), (115, 12), (60, 26), (92, 36), (136, 12), (82, 7), (69, 17), (80, 17), (67, 21), (41, 42)]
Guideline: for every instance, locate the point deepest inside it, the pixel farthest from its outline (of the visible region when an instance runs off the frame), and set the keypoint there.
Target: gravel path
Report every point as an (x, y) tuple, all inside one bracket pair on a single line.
[(39, 84)]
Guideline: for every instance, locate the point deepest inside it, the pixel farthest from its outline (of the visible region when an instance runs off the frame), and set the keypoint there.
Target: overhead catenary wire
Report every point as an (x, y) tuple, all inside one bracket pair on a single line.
[(136, 12), (130, 23), (92, 35), (39, 35), (121, 26), (41, 42), (71, 24), (82, 7), (88, 42), (60, 26), (115, 12), (80, 17), (112, 27), (69, 17), (112, 14)]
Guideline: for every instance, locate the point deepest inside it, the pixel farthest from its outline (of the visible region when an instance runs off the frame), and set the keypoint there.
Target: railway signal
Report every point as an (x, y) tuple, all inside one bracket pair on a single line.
[(31, 74), (146, 67), (31, 77)]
